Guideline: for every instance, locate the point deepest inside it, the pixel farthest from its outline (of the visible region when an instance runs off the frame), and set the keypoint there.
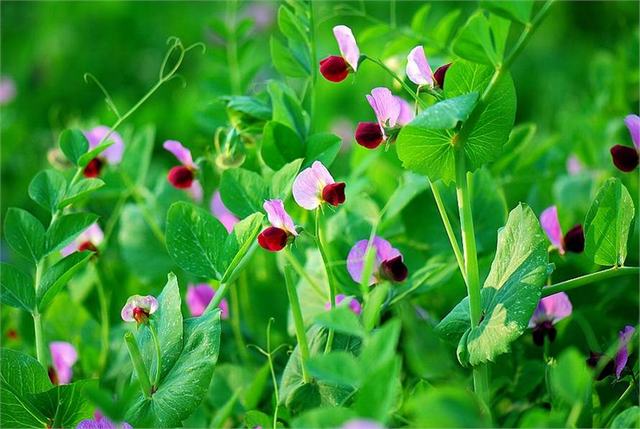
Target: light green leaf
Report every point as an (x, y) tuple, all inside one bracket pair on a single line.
[(473, 41), (66, 228), (243, 191), (338, 367), (47, 189), (280, 145), (324, 418), (291, 26), (54, 279), (380, 391), (570, 378), (517, 10), (341, 319), (137, 154), (73, 144), (629, 418), (447, 407), (286, 108), (16, 288), (285, 61), (447, 113), (607, 224), (282, 180), (80, 190), (238, 245), (322, 147), (24, 233), (87, 157)]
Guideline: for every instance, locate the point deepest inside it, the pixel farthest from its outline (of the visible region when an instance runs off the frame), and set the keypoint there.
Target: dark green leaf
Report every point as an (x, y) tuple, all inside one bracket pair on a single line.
[(282, 180), (280, 145), (47, 189), (58, 275), (286, 108), (73, 144), (446, 113), (447, 407), (341, 319), (285, 61), (323, 147), (243, 191), (474, 42), (324, 418), (80, 190), (67, 227), (291, 26), (380, 391), (337, 367), (24, 233), (517, 10), (16, 288)]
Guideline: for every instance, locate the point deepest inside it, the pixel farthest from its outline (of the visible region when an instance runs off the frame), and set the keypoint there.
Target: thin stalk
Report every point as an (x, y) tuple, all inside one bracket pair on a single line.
[(609, 414), (274, 380), (331, 280), (156, 343), (298, 321), (140, 202), (104, 320), (589, 278), (41, 352), (295, 264), (235, 324), (218, 297), (314, 65), (232, 49), (138, 364)]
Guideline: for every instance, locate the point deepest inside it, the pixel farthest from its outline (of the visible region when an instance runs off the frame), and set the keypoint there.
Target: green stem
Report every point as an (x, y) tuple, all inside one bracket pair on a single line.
[(41, 352), (397, 79), (298, 321), (303, 273), (330, 279), (235, 324), (218, 297), (104, 320), (138, 364), (144, 210), (156, 343), (589, 278), (610, 412)]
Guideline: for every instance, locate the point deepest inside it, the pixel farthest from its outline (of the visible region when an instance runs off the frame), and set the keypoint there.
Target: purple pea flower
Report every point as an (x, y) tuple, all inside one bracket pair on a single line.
[(139, 308), (572, 241), (222, 213), (7, 90), (183, 176), (418, 68), (199, 296), (354, 304), (361, 424), (101, 422), (391, 112), (282, 229), (89, 239), (574, 166), (315, 185), (63, 356), (111, 155), (388, 262), (618, 364), (550, 310), (336, 68), (624, 157)]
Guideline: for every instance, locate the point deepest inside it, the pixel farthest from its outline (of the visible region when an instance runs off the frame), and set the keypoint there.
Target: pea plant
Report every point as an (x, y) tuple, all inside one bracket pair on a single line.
[(406, 287)]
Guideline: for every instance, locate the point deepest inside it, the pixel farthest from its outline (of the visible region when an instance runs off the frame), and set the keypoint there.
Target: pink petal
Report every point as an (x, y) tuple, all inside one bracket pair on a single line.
[(553, 308), (182, 153), (633, 124), (195, 191), (127, 312), (222, 213), (278, 216), (622, 356), (224, 309), (355, 259), (385, 106), (113, 154), (7, 90), (308, 186), (406, 111), (347, 44), (93, 234), (63, 356), (198, 297), (551, 225), (418, 68), (574, 166)]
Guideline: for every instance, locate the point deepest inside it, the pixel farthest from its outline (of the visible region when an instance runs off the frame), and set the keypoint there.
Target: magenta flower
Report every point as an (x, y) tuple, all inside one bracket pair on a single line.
[(183, 176), (336, 68), (222, 213), (388, 262), (574, 166), (624, 157), (391, 112), (550, 310), (619, 362), (361, 424), (354, 304), (199, 296), (111, 155), (418, 68), (572, 241), (7, 90), (282, 229), (315, 185), (89, 239), (139, 308), (101, 422), (63, 356)]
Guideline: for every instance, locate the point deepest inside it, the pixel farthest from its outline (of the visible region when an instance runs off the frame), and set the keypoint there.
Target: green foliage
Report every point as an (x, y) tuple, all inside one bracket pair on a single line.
[(57, 276), (67, 227), (47, 189), (73, 144), (24, 233), (519, 10), (16, 288)]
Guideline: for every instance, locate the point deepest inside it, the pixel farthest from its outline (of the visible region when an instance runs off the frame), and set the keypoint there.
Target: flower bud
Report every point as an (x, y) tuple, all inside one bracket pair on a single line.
[(369, 135), (334, 68), (625, 158)]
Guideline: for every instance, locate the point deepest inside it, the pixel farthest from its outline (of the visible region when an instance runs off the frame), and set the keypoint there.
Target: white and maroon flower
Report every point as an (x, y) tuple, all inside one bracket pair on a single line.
[(198, 298), (624, 157), (388, 262), (183, 176), (353, 304), (282, 229), (550, 310), (139, 308), (336, 68), (101, 422), (418, 69), (222, 213), (89, 239), (63, 357), (111, 155), (391, 113), (315, 185), (572, 241)]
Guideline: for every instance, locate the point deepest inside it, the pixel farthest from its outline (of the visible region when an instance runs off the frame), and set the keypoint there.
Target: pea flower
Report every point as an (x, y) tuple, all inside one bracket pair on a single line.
[(440, 74), (361, 424), (418, 69), (89, 239), (572, 241), (618, 364), (7, 90), (282, 229), (139, 308), (624, 157), (183, 176), (222, 213), (391, 112), (101, 422), (315, 185), (198, 298), (63, 356), (388, 262), (354, 304), (336, 68), (111, 155), (550, 310), (574, 166)]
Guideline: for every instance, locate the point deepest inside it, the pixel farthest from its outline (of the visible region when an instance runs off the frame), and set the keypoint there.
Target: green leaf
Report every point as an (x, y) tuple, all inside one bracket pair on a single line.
[(250, 106), (280, 145), (510, 294), (47, 189), (419, 19), (338, 367), (447, 113), (186, 384), (137, 155), (65, 405), (73, 144), (87, 157), (195, 239), (474, 42), (66, 228), (284, 60), (291, 26), (431, 151), (238, 245), (341, 319), (328, 418), (80, 190), (16, 288), (447, 407), (380, 347), (570, 378), (516, 10), (243, 191), (24, 233), (323, 147), (58, 275), (380, 391), (286, 108), (282, 180), (629, 418), (607, 224)]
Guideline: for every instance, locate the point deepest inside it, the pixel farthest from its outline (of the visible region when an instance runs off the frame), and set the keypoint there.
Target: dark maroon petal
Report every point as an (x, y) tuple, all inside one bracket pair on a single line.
[(273, 239), (93, 168), (87, 245), (541, 330), (334, 68), (334, 193), (53, 376), (369, 135), (440, 74), (574, 240), (140, 314), (181, 177), (394, 269), (625, 158)]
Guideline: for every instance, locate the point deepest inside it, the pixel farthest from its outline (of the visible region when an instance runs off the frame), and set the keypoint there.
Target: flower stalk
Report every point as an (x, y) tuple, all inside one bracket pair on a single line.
[(156, 343), (330, 278), (138, 364), (589, 278), (297, 320)]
